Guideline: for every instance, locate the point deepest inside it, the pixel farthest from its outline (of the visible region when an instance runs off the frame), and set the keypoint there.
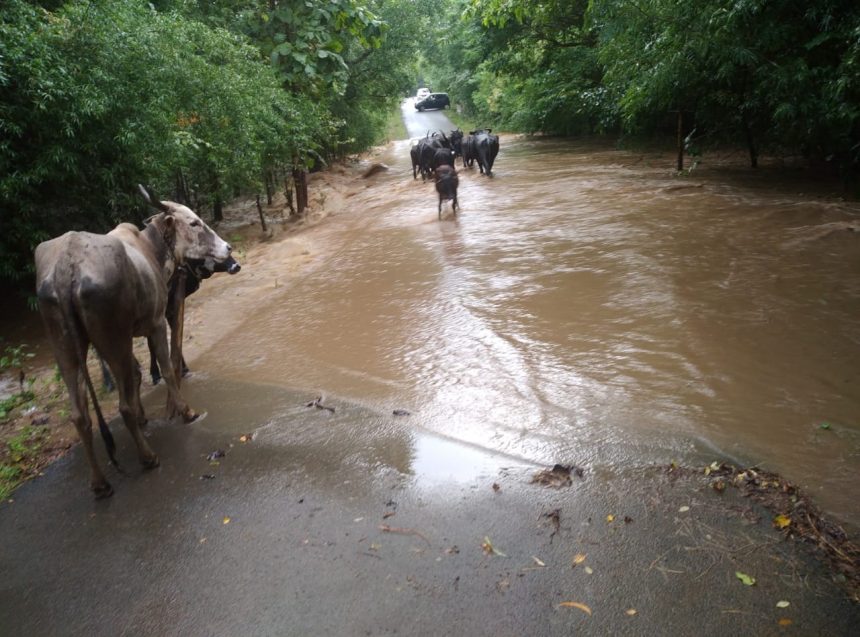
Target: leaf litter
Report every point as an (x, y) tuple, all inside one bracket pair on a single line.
[(795, 515)]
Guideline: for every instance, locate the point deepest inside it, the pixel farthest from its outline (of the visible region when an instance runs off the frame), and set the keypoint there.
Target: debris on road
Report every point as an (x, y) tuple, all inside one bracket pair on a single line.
[(558, 476), (317, 402), (395, 529), (553, 516), (489, 549), (579, 605)]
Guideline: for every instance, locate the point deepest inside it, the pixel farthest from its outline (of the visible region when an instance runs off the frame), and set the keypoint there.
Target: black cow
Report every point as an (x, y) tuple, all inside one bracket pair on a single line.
[(443, 156), (456, 138), (484, 148), (446, 185), (469, 150), (415, 154), (427, 147), (194, 272)]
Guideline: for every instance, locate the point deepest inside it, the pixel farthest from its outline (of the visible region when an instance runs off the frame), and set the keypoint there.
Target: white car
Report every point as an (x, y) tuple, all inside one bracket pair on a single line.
[(422, 93)]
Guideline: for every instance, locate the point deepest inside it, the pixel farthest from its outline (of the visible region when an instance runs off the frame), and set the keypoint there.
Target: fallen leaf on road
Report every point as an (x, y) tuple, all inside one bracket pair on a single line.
[(580, 606), (781, 521), (630, 611), (783, 604), (784, 622), (589, 570), (683, 509), (579, 558), (610, 518), (746, 579), (401, 412), (538, 561), (489, 549), (246, 437), (226, 520), (496, 487)]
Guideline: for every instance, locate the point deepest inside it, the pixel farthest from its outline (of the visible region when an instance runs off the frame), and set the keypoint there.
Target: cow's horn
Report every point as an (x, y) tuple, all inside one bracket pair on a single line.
[(151, 199)]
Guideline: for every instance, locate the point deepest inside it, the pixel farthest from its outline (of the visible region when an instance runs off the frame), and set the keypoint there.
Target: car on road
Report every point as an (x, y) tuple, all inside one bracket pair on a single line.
[(422, 93), (434, 100)]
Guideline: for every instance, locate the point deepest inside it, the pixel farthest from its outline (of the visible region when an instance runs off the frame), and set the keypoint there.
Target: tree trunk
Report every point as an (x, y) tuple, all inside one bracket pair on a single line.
[(300, 178), (181, 193), (260, 210), (268, 179), (750, 143), (288, 193), (217, 208)]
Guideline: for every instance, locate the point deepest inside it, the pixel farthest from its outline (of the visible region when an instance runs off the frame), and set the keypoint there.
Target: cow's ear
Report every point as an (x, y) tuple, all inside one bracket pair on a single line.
[(168, 228)]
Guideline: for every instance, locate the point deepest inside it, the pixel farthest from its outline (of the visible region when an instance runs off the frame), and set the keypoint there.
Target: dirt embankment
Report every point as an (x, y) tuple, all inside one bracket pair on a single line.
[(34, 417)]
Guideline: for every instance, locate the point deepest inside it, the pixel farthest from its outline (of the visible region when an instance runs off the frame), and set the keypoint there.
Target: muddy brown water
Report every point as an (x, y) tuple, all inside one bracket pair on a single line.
[(586, 306)]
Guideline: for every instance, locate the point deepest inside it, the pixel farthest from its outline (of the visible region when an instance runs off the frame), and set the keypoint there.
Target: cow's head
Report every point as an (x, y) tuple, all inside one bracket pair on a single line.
[(187, 234)]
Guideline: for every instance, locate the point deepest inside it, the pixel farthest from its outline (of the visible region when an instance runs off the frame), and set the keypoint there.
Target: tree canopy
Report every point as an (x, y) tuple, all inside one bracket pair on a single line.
[(779, 76)]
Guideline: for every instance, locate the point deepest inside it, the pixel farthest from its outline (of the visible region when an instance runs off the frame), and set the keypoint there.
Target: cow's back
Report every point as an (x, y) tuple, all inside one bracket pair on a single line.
[(104, 278)]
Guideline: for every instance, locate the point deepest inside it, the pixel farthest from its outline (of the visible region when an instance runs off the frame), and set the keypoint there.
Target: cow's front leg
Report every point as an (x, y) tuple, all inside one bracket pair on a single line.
[(176, 406)]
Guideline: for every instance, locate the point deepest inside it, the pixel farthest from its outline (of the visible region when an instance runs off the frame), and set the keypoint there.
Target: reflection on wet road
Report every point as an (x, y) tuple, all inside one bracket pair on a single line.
[(586, 306)]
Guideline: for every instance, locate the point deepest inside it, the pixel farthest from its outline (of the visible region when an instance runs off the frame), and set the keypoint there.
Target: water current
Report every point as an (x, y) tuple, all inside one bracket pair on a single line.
[(587, 306)]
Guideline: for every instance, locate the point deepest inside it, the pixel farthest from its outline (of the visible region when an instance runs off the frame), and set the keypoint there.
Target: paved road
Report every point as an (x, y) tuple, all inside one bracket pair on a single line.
[(334, 524), (418, 124)]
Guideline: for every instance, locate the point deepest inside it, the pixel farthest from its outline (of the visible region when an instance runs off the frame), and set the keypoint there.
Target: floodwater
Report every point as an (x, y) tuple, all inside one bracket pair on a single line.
[(585, 306)]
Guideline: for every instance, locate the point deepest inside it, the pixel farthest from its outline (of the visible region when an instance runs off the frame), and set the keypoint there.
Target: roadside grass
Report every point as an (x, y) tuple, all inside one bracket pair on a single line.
[(463, 122), (394, 126), (18, 459)]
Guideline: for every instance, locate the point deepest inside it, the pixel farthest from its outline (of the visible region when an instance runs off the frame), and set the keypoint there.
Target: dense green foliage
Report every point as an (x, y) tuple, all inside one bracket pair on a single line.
[(201, 100), (780, 76), (206, 98)]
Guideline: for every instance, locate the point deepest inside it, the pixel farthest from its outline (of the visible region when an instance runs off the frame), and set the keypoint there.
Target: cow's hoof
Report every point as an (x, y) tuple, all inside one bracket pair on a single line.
[(150, 463), (102, 491), (190, 416)]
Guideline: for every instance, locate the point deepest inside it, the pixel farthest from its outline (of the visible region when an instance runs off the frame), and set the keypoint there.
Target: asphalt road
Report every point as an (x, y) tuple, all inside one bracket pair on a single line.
[(419, 123), (334, 523)]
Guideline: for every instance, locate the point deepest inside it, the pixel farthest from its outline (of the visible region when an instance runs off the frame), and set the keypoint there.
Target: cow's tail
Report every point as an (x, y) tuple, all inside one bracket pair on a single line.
[(104, 430), (76, 326)]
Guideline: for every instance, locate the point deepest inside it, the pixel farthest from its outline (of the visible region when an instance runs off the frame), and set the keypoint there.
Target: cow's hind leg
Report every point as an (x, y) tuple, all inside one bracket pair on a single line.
[(70, 355), (126, 371)]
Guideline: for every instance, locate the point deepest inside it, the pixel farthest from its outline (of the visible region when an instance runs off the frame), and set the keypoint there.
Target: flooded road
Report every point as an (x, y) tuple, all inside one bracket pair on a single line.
[(585, 306)]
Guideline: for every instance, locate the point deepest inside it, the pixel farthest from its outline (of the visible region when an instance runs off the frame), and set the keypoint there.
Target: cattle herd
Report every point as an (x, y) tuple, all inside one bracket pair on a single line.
[(104, 290), (435, 156)]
